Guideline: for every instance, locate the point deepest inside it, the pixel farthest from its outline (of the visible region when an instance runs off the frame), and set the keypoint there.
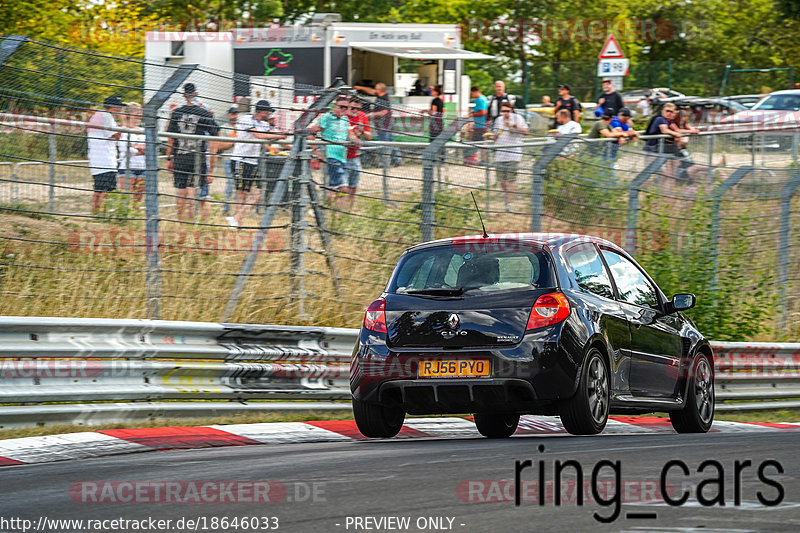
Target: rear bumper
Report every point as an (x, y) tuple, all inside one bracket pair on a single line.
[(535, 373), (426, 396)]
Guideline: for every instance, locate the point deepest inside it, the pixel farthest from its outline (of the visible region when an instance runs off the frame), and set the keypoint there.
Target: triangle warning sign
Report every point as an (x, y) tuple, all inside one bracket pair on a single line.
[(611, 49)]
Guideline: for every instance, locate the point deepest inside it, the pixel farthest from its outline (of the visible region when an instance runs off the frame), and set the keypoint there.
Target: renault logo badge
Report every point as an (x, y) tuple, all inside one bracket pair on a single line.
[(452, 321)]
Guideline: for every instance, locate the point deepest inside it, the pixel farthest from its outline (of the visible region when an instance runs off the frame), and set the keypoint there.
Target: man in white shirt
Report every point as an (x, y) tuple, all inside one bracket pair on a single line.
[(508, 129), (245, 157), (567, 126), (103, 150)]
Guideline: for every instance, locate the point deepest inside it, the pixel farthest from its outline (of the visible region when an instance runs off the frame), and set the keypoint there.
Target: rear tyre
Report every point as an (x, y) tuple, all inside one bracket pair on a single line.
[(378, 421), (496, 425), (698, 413), (586, 413)]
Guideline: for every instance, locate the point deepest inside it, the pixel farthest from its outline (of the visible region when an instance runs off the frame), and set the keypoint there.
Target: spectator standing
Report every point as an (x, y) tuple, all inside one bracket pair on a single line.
[(508, 129), (219, 147), (568, 102), (436, 113), (497, 99), (610, 100), (103, 150), (186, 158), (382, 116), (359, 129), (567, 126), (546, 101), (479, 113), (131, 147), (335, 128), (245, 159), (622, 123)]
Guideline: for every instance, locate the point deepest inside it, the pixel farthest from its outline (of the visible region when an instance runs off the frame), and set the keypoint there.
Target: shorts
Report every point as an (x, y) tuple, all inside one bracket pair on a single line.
[(185, 177), (337, 175), (133, 173), (105, 182), (353, 169), (246, 175), (507, 170)]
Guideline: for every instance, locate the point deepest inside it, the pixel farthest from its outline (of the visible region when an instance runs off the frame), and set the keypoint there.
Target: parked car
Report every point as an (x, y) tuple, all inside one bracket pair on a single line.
[(778, 110), (747, 100), (703, 111), (537, 323), (641, 101)]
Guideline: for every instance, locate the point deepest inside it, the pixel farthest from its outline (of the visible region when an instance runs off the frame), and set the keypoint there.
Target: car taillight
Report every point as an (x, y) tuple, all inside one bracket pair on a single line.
[(549, 309), (375, 317)]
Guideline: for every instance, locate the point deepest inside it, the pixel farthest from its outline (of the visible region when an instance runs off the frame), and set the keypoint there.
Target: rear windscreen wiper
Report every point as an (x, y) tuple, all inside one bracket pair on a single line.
[(453, 291)]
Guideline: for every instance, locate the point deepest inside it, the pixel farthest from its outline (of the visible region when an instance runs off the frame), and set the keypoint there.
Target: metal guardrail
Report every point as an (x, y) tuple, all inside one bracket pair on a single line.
[(79, 361)]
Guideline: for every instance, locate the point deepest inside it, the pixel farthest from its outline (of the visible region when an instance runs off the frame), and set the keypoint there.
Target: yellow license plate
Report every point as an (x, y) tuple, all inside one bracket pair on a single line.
[(454, 368)]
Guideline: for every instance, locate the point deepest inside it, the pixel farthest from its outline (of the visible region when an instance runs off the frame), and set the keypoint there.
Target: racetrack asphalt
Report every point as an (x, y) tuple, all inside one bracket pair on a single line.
[(437, 483)]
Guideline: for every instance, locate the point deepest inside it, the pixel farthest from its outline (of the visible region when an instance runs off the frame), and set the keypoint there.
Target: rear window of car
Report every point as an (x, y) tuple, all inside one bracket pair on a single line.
[(474, 271)]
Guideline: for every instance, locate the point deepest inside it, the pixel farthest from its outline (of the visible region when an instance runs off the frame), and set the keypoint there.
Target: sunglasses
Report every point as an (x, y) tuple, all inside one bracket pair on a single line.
[(505, 111), (343, 106)]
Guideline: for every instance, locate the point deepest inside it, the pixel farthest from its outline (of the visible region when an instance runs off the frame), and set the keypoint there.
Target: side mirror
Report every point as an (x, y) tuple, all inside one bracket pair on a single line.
[(681, 302)]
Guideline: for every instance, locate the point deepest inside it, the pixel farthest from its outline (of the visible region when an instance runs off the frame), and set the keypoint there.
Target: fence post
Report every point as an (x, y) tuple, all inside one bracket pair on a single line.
[(385, 154), (429, 156), (716, 203), (10, 45), (784, 245), (53, 158), (300, 127), (794, 147), (548, 155), (633, 199), (152, 245), (712, 140), (300, 182)]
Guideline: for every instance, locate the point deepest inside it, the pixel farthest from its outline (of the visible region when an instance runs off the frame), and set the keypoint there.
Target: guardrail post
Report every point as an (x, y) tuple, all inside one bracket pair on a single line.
[(152, 244), (633, 199), (784, 247), (548, 155), (716, 203), (429, 156), (53, 156), (300, 126)]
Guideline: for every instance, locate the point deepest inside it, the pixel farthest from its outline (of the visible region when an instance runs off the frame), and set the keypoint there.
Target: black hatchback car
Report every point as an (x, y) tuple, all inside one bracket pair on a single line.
[(536, 323)]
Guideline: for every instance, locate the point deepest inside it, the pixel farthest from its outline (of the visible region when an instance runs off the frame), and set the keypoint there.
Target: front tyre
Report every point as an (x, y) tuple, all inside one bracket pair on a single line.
[(586, 413), (378, 421), (496, 425), (698, 413)]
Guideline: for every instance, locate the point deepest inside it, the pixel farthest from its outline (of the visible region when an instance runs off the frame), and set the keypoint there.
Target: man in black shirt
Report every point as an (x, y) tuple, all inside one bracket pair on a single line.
[(382, 116), (186, 158), (568, 102), (610, 100), (497, 100)]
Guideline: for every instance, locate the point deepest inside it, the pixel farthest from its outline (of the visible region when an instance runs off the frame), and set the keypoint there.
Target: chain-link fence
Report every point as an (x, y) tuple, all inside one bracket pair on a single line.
[(198, 229)]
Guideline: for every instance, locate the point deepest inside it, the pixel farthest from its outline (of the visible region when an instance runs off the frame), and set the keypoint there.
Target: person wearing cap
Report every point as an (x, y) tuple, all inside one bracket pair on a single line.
[(186, 158), (622, 122), (359, 129), (568, 102), (245, 159), (102, 143), (508, 129), (610, 100), (228, 129), (334, 127)]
